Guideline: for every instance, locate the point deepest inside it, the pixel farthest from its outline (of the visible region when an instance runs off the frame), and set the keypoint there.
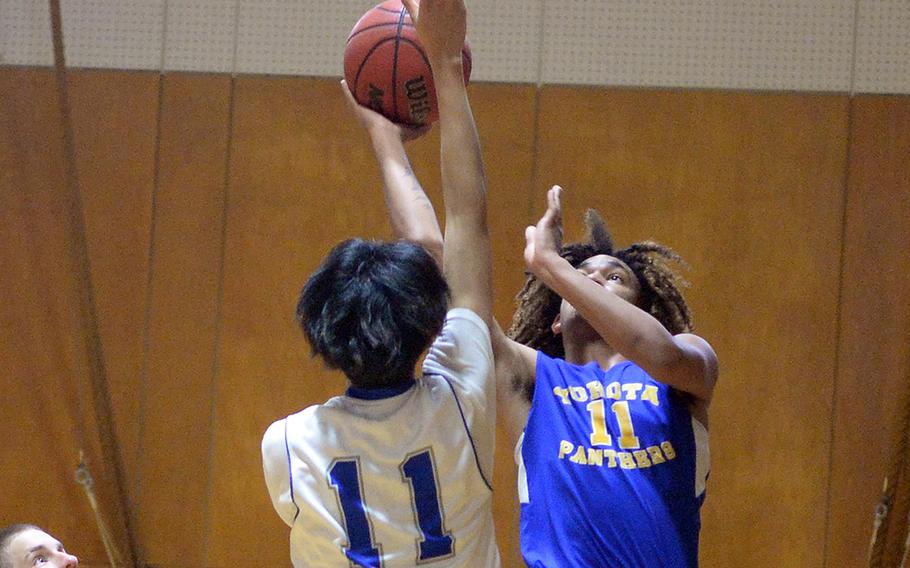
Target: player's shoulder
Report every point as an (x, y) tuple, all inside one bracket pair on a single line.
[(273, 443), (464, 328), (277, 431), (469, 316)]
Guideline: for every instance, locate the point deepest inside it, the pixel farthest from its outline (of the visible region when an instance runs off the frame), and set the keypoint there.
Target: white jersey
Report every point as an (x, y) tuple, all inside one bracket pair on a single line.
[(386, 478)]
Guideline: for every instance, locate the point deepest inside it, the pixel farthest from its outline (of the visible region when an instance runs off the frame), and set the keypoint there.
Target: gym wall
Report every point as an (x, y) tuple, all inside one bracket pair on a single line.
[(767, 142)]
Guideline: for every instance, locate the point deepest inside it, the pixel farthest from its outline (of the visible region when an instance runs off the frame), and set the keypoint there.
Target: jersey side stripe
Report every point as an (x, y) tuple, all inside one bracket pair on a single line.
[(468, 431), (702, 457), (287, 449)]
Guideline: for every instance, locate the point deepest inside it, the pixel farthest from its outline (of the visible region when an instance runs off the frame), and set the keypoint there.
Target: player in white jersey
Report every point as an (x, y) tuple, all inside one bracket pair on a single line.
[(398, 471), (401, 476)]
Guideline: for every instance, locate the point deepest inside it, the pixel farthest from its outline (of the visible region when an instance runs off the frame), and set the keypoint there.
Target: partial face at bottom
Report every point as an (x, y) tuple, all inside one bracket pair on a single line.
[(33, 548)]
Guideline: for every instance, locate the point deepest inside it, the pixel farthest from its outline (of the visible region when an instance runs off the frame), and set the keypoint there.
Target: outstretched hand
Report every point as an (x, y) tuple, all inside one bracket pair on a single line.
[(441, 26), (545, 238), (374, 122)]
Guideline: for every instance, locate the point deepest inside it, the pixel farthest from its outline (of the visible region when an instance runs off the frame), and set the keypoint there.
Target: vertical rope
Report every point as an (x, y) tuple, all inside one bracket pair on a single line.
[(85, 303), (876, 545), (219, 302), (143, 390), (84, 478), (906, 553), (841, 325), (896, 491)]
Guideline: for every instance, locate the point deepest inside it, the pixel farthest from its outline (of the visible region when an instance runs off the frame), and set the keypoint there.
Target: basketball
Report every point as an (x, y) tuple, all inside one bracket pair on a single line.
[(387, 70)]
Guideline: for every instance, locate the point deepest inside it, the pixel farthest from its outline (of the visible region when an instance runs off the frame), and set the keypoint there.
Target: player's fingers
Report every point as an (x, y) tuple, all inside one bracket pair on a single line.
[(412, 6), (550, 215), (553, 201), (349, 97), (556, 203)]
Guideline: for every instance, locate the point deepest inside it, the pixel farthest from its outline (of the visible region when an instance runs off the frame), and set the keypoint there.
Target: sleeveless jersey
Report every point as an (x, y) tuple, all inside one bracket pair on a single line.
[(395, 477), (612, 470)]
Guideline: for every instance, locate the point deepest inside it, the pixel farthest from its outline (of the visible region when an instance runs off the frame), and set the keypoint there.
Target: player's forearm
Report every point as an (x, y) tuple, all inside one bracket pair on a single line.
[(411, 212), (462, 165), (468, 259)]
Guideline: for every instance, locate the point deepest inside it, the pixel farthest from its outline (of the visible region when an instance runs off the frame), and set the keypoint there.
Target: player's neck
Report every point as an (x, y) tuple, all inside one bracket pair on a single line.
[(582, 353)]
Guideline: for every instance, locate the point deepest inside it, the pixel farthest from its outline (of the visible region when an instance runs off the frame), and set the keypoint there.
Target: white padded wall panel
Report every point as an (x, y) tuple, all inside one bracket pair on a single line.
[(25, 33), (294, 37), (805, 45), (883, 47), (742, 44), (505, 39), (200, 35), (119, 34)]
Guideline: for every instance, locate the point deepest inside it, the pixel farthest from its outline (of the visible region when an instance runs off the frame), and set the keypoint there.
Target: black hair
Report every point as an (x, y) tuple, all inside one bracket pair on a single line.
[(371, 308)]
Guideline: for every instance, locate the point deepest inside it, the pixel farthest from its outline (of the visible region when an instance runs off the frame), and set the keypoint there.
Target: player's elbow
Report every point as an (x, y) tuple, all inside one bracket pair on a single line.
[(686, 371), (432, 243)]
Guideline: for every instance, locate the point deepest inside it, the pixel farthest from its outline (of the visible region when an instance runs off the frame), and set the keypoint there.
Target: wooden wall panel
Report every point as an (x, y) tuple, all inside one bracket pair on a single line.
[(114, 123), (186, 258), (46, 414), (874, 364), (749, 189)]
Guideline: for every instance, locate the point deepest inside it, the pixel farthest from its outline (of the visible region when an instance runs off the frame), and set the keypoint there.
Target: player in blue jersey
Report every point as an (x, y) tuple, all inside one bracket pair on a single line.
[(397, 471), (613, 458)]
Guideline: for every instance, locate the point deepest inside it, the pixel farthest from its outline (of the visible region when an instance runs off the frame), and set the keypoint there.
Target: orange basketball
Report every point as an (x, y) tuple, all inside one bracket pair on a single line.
[(387, 69)]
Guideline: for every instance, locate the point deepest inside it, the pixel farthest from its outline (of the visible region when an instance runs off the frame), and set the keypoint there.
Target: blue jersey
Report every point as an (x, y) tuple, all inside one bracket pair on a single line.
[(612, 468)]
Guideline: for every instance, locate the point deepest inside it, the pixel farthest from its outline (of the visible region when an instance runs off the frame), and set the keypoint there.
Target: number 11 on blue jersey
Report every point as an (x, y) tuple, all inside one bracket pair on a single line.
[(419, 471)]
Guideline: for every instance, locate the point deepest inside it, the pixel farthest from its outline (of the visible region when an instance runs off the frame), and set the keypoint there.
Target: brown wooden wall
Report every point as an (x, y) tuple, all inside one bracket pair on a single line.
[(208, 200)]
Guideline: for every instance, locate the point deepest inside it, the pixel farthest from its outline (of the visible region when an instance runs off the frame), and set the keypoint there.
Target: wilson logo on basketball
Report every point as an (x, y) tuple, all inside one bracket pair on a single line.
[(374, 96), (418, 99)]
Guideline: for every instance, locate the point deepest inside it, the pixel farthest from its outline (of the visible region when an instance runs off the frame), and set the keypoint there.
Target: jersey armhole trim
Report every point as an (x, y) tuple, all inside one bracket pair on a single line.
[(470, 437), (702, 457), (287, 449)]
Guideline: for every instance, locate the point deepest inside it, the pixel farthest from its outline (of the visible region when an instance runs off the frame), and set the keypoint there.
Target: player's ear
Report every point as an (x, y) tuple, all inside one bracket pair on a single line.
[(556, 326)]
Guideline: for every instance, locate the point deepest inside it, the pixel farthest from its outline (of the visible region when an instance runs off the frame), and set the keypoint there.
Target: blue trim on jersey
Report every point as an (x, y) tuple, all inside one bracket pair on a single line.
[(468, 431), (380, 393), (287, 449), (344, 476)]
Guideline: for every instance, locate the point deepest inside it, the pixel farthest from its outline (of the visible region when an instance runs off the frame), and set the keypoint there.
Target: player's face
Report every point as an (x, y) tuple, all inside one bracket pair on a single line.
[(36, 549), (611, 274), (614, 275)]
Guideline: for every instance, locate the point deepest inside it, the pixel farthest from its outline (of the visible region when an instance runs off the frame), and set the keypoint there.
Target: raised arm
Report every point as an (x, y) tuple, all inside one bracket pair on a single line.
[(467, 261), (411, 213), (685, 361), (464, 189)]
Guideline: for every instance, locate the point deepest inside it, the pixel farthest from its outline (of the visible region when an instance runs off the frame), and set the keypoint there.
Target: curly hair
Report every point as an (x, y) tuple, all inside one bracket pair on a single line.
[(651, 263)]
